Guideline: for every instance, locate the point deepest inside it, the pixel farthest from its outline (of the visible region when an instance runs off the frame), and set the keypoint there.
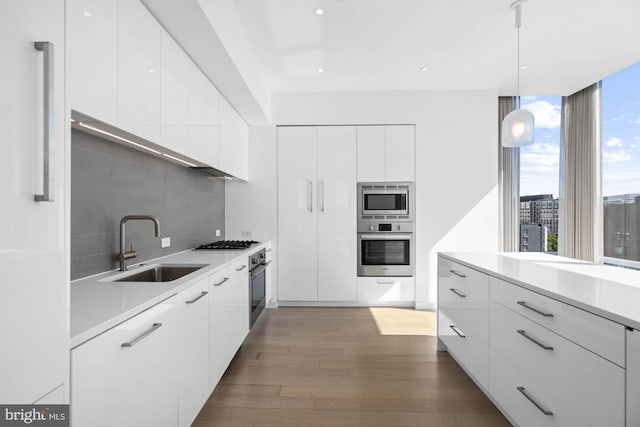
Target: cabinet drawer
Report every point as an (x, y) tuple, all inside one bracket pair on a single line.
[(580, 381), (464, 293), (513, 391), (595, 333), (385, 289), (470, 352)]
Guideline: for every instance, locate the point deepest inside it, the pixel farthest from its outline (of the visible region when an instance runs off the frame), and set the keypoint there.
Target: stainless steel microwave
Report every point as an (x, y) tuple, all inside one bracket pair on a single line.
[(385, 198)]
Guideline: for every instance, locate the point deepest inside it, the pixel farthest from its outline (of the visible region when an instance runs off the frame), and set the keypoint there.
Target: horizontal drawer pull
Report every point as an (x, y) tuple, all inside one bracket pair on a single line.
[(532, 400), (457, 273), (385, 282), (221, 282), (242, 267), (139, 338), (536, 310), (457, 331), (457, 292), (202, 294), (533, 340), (269, 250), (266, 263)]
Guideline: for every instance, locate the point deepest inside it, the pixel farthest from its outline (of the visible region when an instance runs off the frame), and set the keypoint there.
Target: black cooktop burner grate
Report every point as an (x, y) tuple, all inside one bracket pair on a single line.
[(228, 244)]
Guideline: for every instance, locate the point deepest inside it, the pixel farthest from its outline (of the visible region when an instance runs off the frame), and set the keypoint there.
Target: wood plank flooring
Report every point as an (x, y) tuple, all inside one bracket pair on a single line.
[(346, 367)]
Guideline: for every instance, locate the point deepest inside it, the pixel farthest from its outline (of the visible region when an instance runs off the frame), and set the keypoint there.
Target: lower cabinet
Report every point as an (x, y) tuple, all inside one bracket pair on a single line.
[(228, 317), (193, 351), (542, 361), (126, 376), (385, 289)]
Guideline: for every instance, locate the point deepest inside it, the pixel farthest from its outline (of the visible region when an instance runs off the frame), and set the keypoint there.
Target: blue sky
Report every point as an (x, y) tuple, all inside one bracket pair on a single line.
[(539, 162)]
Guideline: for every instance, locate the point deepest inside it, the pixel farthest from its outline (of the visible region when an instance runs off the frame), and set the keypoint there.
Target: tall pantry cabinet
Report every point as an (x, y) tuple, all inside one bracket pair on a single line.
[(34, 260), (316, 213)]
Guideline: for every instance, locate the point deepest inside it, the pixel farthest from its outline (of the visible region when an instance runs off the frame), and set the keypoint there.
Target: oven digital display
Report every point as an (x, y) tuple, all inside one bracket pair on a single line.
[(385, 202)]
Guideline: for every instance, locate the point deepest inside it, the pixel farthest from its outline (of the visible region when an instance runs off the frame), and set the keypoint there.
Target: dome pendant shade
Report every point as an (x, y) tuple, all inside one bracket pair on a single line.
[(517, 129)]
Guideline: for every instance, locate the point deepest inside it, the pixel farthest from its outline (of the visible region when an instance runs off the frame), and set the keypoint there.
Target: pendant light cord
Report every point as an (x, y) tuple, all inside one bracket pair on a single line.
[(518, 71)]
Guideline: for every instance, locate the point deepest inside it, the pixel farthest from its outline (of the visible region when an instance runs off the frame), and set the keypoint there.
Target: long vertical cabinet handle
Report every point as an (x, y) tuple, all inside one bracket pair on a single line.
[(310, 196), (321, 196), (48, 120)]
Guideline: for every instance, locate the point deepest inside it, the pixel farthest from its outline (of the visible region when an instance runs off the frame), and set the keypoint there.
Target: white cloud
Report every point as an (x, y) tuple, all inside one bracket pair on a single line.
[(528, 98), (546, 114), (616, 156), (614, 142), (540, 159)]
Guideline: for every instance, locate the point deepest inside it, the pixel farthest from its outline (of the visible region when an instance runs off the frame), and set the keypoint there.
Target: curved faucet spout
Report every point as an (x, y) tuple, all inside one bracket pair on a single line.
[(124, 255)]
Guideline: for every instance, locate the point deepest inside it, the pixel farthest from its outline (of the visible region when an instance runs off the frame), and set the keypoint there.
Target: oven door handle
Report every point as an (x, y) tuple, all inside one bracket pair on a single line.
[(253, 273), (386, 236)]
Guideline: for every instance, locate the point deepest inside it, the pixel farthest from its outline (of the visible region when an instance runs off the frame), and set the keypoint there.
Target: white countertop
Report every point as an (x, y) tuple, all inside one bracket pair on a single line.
[(98, 304), (608, 291)]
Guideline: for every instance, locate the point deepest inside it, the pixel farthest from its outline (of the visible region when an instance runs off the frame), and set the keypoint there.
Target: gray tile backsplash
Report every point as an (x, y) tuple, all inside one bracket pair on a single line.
[(109, 181)]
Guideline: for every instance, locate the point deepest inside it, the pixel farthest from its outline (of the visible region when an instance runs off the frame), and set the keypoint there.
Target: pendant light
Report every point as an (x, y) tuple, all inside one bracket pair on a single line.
[(517, 126)]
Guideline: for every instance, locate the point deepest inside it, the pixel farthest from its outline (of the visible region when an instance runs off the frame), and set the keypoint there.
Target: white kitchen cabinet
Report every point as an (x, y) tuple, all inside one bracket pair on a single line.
[(386, 290), (228, 317), (93, 58), (139, 70), (386, 153), (371, 153), (176, 65), (211, 125), (234, 142), (192, 311), (633, 377), (297, 218), (316, 211), (336, 190), (34, 317), (127, 376), (399, 153)]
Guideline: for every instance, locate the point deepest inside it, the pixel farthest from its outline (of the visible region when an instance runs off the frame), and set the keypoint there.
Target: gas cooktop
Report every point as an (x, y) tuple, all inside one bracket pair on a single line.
[(229, 244)]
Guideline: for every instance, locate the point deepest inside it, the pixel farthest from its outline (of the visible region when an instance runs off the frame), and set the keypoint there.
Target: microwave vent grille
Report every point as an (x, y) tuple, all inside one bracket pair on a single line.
[(367, 187), (403, 216), (391, 217), (378, 217), (403, 186), (367, 217), (379, 187)]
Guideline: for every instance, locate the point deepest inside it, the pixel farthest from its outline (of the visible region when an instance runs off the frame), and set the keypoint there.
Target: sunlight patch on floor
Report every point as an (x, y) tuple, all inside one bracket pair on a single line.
[(404, 321)]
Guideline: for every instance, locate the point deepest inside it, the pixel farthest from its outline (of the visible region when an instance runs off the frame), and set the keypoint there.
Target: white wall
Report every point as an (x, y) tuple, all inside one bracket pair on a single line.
[(456, 165)]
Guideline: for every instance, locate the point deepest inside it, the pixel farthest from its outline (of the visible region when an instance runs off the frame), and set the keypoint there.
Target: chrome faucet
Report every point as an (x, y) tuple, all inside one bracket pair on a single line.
[(124, 256)]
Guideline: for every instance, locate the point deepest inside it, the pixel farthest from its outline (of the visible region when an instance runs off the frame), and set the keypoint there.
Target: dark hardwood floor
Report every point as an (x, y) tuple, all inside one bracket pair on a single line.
[(346, 367)]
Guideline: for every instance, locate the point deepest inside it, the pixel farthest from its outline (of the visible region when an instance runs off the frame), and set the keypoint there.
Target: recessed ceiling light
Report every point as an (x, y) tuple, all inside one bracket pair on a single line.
[(87, 14), (151, 70), (319, 11), (321, 70), (423, 68), (524, 66)]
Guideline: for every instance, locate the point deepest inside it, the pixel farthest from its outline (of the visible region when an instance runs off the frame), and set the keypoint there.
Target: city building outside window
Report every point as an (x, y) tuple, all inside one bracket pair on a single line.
[(621, 167), (539, 177)]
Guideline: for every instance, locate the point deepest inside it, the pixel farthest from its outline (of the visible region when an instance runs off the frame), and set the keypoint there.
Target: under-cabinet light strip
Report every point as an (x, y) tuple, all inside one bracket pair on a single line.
[(179, 160), (104, 132)]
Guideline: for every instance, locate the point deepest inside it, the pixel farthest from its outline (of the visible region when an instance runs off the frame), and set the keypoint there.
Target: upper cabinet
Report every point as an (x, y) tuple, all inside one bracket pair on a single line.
[(139, 70), (174, 110), (93, 58), (386, 153), (127, 71), (234, 142)]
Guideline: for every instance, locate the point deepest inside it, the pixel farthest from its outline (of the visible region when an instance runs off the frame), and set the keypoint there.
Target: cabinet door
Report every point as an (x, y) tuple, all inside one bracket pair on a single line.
[(633, 377), (197, 84), (371, 152), (34, 303), (175, 95), (193, 351), (399, 153), (139, 70), (116, 385), (336, 193), (228, 317), (93, 58), (234, 142), (297, 219), (211, 125)]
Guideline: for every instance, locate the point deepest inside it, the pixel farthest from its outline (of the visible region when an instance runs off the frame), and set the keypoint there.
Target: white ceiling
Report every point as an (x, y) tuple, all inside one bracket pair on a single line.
[(465, 44)]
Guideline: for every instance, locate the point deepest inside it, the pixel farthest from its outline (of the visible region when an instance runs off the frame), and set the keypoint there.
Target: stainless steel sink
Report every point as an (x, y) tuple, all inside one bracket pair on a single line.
[(161, 273)]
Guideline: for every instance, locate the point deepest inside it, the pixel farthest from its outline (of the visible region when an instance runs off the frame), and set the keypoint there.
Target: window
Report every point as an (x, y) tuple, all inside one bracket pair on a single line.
[(539, 177), (621, 167)]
